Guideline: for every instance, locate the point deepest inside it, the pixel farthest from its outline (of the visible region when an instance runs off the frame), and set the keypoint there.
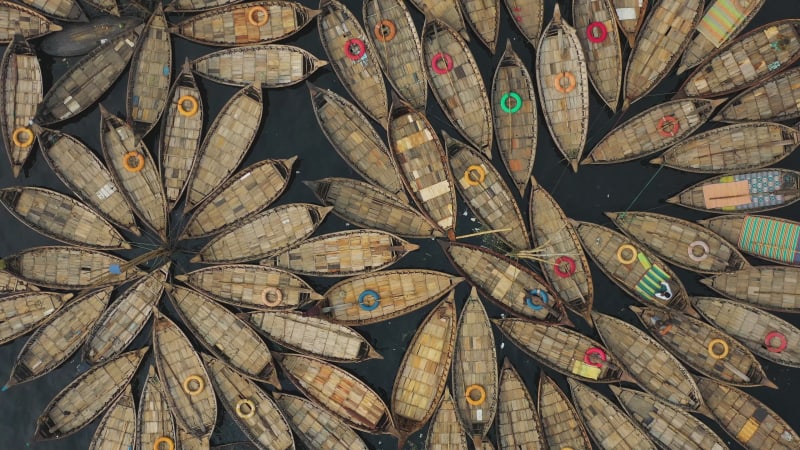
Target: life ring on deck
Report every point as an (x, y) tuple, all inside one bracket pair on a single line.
[(371, 306), (245, 402), (590, 32), (477, 169), (517, 102), (385, 30), (251, 15), (355, 43), (27, 135), (138, 157), (193, 106), (164, 440), (536, 293), (703, 246), (621, 249), (570, 266), (271, 290), (448, 63), (587, 357), (714, 354), (481, 395), (200, 385), (781, 338), (674, 126), (569, 87)]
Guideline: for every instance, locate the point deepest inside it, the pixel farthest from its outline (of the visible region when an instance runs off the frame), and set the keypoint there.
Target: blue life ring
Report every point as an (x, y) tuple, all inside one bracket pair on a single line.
[(538, 293), (369, 293)]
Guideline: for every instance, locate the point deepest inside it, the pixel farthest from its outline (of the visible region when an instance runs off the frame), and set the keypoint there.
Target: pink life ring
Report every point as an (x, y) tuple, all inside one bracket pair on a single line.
[(570, 266), (348, 49), (590, 32), (587, 357), (783, 343), (448, 60)]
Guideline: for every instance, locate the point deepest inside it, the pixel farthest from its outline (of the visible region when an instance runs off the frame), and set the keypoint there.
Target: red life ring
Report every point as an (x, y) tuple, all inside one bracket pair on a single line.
[(570, 266), (781, 338), (448, 61), (348, 49), (603, 32), (675, 126), (587, 357)]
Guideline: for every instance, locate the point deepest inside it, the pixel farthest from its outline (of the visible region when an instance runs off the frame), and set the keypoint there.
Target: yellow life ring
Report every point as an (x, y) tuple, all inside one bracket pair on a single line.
[(138, 157), (271, 290), (714, 354), (26, 133), (481, 394), (251, 15), (164, 440), (245, 402), (477, 169), (621, 249), (193, 106), (200, 385)]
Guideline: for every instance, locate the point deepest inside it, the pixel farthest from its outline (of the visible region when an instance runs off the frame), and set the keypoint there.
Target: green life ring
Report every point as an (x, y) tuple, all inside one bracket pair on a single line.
[(517, 102)]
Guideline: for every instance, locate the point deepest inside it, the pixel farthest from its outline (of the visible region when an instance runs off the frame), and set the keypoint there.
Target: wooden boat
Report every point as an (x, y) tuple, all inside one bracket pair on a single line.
[(312, 336), (58, 338), (484, 191), (395, 41), (753, 191), (189, 442), (251, 408), (562, 76), (251, 287), (270, 65), (258, 22), (25, 311), (338, 392), (10, 284), (601, 45), (422, 376), (653, 367), (518, 422), (667, 425), (608, 425), (225, 144), (561, 423), (65, 10), (474, 370), (184, 6), (558, 249), (457, 83), (116, 429), (775, 288), (775, 99), (484, 19), (680, 242), (225, 335), (756, 56), (87, 396), (368, 206), (155, 424), (446, 11), (630, 15), (746, 419), (350, 53), (86, 176), (185, 382), (264, 234), (19, 19), (119, 325), (634, 269), (722, 21), (564, 350), (445, 431), (704, 348), (69, 268), (88, 80), (528, 16), (509, 284), (355, 140), (654, 129), (106, 6), (241, 196), (21, 78), (149, 77), (771, 238), (422, 162), (61, 217), (134, 171), (315, 426), (515, 116), (77, 39), (384, 295)]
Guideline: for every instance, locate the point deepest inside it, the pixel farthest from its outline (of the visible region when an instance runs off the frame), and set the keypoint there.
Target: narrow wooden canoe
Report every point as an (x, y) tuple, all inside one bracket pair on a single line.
[(564, 350), (155, 423), (264, 234), (446, 11), (722, 21), (777, 99), (350, 53), (339, 392), (770, 238), (562, 76), (269, 65), (240, 197), (484, 19), (608, 425), (69, 268), (422, 376), (106, 6), (755, 56), (680, 242), (596, 20), (226, 143), (10, 284), (559, 251), (704, 348), (396, 42), (86, 81), (251, 287), (184, 379), (251, 408), (22, 20), (25, 311), (355, 140), (457, 84), (258, 22), (56, 340), (745, 418), (561, 423), (66, 10), (653, 367), (652, 130), (225, 335), (518, 423), (78, 39), (124, 320), (315, 426), (61, 217), (634, 269), (422, 162), (86, 176), (509, 284), (528, 16), (487, 195), (774, 288), (445, 431), (116, 429), (665, 34), (668, 426), (515, 116), (134, 170), (753, 191), (367, 206), (87, 396), (21, 79), (149, 77), (183, 6), (312, 336), (384, 295), (474, 370), (630, 16)]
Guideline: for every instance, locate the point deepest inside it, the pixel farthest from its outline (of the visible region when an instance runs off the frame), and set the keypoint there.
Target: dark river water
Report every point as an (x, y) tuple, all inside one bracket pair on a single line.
[(289, 128)]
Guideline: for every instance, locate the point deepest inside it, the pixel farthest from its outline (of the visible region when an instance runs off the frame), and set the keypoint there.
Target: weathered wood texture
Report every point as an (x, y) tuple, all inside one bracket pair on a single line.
[(117, 427), (777, 98), (25, 311), (595, 22), (154, 420), (20, 95), (445, 432), (315, 426), (269, 65), (770, 287), (518, 423), (483, 16), (18, 19), (771, 238), (630, 16), (528, 16), (561, 423)]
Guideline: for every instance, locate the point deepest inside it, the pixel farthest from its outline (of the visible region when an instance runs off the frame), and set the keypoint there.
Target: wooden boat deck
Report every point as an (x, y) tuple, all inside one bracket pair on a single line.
[(117, 427), (19, 19), (77, 39), (774, 288), (66, 10), (106, 6), (25, 311), (154, 418), (446, 11), (777, 99), (315, 426), (20, 95), (764, 237), (445, 432), (561, 423), (528, 16), (630, 15), (10, 284), (183, 6), (600, 39), (518, 423), (483, 16)]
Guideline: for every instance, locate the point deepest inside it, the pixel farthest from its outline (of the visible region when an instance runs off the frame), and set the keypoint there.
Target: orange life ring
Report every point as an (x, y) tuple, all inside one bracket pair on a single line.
[(193, 106), (674, 124), (126, 161), (200, 385), (560, 87), (481, 395), (251, 15), (271, 290), (22, 131), (164, 440), (385, 30)]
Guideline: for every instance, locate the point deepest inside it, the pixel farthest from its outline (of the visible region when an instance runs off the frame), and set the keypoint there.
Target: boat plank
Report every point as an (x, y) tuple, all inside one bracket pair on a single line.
[(561, 423), (630, 15), (315, 426), (154, 420), (116, 430), (184, 6), (483, 16), (19, 19), (445, 432), (600, 39), (774, 288), (446, 11), (21, 78), (528, 16), (25, 311), (66, 10), (518, 422), (776, 99)]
